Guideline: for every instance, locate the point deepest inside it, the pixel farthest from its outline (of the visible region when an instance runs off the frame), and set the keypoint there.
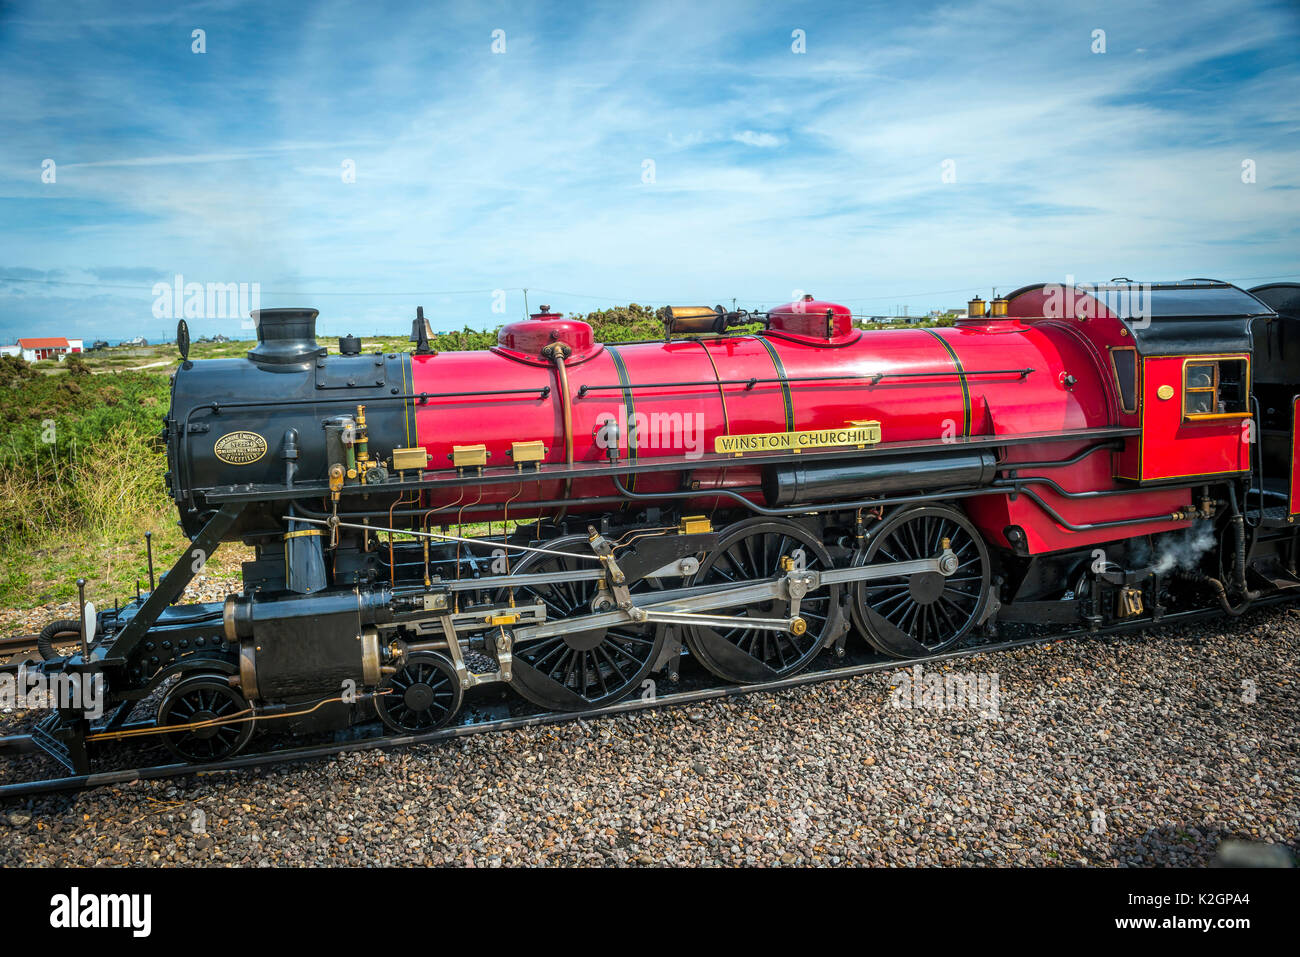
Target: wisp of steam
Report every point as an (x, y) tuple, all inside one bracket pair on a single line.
[(1177, 550)]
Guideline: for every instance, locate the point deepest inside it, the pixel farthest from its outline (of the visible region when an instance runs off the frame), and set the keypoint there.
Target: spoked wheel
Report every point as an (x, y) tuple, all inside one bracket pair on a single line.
[(197, 701), (753, 551), (919, 615), (423, 695), (582, 670)]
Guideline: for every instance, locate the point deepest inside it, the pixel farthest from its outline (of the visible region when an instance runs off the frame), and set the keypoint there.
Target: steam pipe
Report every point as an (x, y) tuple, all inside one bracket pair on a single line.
[(1239, 536), (1222, 594), (1002, 489), (830, 380), (557, 352), (1058, 463), (1089, 526), (1014, 485)]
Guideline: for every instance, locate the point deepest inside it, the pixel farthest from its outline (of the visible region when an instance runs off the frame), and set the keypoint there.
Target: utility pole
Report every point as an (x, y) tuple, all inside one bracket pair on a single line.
[(525, 302)]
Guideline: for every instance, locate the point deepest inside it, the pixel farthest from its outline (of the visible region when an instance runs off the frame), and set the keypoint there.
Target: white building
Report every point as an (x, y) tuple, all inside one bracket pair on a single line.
[(34, 349)]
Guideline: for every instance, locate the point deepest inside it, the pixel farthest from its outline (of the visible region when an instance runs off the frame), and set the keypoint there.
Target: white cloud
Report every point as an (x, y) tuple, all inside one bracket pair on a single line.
[(764, 140), (477, 171)]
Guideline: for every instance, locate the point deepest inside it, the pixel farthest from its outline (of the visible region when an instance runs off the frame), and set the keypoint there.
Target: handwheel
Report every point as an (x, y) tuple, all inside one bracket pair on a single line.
[(581, 670), (919, 615), (205, 700), (753, 550), (424, 694)]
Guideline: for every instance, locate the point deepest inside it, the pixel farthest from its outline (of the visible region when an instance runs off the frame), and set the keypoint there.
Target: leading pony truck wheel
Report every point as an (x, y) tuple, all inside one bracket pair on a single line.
[(219, 717)]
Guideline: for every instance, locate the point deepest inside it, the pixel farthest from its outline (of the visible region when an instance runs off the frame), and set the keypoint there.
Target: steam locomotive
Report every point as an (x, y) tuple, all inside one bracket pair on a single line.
[(568, 518)]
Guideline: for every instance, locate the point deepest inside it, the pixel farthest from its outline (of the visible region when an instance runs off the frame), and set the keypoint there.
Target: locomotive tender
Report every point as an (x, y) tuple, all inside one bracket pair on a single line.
[(568, 517)]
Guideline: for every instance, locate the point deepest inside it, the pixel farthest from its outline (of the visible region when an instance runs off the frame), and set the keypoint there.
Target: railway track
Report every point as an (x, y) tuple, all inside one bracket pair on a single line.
[(18, 647), (17, 643), (482, 718)]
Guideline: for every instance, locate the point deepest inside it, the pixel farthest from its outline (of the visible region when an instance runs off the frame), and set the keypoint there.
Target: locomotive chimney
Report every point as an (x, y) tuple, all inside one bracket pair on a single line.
[(285, 335)]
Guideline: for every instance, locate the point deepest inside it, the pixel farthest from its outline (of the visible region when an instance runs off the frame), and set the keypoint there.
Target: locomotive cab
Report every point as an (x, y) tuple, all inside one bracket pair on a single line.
[(1194, 343), (1180, 363)]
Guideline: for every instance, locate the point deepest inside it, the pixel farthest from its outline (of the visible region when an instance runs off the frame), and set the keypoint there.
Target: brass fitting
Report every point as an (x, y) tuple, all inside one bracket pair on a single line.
[(695, 525)]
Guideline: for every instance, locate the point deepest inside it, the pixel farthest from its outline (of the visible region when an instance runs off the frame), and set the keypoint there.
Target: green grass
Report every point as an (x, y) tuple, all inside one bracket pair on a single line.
[(80, 478), (45, 569)]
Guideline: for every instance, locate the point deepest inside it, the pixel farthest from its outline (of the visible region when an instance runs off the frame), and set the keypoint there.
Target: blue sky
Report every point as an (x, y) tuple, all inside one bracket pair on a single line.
[(773, 171)]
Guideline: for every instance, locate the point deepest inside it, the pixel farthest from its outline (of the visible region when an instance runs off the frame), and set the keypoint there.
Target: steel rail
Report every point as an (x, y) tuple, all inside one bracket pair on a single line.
[(383, 742), (17, 643)]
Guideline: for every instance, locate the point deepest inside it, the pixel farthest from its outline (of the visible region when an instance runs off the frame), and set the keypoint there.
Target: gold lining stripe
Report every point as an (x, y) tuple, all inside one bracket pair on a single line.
[(961, 375), (406, 403), (785, 386), (301, 532), (629, 405), (726, 421)]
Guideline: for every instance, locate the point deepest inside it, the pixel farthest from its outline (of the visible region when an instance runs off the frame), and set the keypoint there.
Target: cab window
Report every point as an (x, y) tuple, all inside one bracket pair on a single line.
[(1214, 387), (1124, 364)]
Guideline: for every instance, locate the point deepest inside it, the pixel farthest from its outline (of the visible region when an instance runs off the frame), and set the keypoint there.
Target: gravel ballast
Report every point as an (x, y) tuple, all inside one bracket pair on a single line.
[(1137, 750)]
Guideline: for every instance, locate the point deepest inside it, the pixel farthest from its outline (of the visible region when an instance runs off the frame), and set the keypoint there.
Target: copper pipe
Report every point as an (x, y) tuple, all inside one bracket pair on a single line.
[(239, 717), (505, 532), (566, 405), (425, 542), (392, 564), (433, 511), (460, 530)]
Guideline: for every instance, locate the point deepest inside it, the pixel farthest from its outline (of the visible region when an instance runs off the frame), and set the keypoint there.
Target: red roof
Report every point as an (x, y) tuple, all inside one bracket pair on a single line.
[(49, 342)]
